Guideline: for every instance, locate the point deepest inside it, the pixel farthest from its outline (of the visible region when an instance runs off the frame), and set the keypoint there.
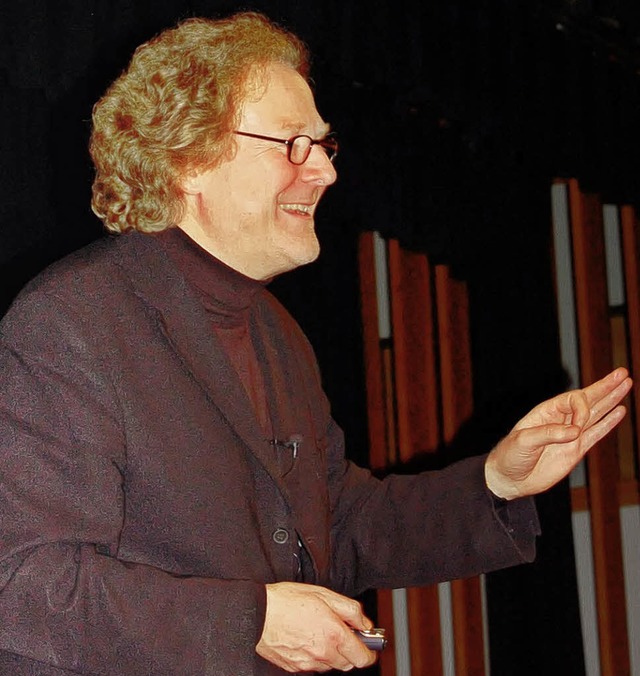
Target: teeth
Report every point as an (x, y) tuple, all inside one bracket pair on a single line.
[(299, 208)]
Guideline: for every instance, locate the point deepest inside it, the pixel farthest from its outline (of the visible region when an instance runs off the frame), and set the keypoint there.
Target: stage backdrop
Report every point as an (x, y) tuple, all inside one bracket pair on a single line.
[(453, 121)]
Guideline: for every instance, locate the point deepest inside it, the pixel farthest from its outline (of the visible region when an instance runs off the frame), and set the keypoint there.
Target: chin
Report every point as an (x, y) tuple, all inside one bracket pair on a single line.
[(311, 254), (304, 251), (299, 258)]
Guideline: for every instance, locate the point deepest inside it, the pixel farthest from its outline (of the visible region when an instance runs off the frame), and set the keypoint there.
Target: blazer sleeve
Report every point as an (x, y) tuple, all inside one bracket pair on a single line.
[(413, 530), (65, 599)]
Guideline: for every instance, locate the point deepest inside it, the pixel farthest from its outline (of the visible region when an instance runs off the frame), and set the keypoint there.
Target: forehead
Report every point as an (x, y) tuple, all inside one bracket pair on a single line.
[(280, 100)]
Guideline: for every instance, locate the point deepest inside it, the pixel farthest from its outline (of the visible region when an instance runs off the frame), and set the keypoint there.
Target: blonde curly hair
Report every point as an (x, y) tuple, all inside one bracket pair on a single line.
[(171, 110)]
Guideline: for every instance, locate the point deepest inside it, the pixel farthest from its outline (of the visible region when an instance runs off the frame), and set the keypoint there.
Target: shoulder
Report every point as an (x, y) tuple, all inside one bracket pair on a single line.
[(85, 284), (88, 267), (94, 268)]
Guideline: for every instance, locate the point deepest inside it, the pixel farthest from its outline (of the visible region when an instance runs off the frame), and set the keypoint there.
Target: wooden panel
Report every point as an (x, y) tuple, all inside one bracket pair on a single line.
[(425, 641), (387, 658), (373, 358), (389, 393), (417, 420), (466, 600), (595, 360), (631, 254), (379, 415), (624, 431), (416, 401), (455, 352), (457, 407), (414, 352), (579, 499), (628, 494)]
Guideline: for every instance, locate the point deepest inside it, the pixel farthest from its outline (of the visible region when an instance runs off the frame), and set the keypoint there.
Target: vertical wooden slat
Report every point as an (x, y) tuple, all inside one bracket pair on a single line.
[(373, 357), (432, 398), (457, 407), (631, 254), (389, 391), (417, 420), (425, 641), (414, 352), (387, 658), (378, 415), (455, 352), (595, 361), (625, 431)]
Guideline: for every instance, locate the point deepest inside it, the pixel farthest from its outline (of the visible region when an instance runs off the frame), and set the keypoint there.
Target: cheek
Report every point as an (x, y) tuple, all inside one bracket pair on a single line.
[(267, 192), (258, 190), (284, 179), (253, 202)]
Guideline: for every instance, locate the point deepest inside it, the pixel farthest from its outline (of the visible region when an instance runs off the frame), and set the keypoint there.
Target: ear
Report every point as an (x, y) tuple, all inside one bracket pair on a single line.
[(191, 182)]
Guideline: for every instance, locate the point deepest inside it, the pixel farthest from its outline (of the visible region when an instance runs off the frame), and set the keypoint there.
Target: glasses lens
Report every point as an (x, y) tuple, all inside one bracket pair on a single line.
[(330, 146), (299, 149)]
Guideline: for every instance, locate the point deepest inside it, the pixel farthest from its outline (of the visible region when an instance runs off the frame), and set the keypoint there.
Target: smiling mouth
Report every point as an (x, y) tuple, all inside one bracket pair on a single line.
[(297, 209)]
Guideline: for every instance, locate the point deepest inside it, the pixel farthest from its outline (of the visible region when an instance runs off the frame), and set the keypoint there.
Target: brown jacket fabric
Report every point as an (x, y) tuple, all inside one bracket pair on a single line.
[(141, 508)]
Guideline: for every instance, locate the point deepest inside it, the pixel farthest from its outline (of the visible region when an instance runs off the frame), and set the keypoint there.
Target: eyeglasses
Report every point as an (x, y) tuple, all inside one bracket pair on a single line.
[(299, 147)]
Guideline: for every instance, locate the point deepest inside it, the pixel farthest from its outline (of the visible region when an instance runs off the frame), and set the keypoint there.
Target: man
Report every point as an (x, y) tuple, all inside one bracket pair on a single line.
[(174, 493)]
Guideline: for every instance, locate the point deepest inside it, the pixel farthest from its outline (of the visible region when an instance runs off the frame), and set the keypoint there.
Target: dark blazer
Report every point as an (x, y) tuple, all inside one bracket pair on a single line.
[(142, 509)]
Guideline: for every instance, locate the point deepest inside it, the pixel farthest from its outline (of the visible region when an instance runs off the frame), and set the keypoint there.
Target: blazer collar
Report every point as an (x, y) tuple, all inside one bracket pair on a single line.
[(182, 319)]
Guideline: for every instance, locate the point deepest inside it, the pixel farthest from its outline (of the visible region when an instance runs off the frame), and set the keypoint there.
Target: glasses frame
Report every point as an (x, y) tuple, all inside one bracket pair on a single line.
[(329, 144)]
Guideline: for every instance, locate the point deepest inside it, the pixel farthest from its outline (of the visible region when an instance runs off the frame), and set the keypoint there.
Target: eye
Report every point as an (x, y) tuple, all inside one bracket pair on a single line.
[(281, 147)]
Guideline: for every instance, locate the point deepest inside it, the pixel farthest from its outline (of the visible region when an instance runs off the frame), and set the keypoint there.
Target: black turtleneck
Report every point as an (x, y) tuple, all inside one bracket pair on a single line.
[(227, 296)]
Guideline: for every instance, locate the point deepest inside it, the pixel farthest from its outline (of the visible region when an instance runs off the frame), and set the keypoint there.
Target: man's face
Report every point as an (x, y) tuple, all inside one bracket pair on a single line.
[(256, 211)]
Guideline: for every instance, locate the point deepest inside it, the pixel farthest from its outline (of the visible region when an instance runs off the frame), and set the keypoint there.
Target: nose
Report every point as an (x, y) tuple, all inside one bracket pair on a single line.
[(318, 168)]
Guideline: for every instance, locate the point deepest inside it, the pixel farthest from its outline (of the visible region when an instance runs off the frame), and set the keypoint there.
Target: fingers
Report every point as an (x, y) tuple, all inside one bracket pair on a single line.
[(601, 428), (585, 406), (533, 438), (355, 653), (603, 387), (348, 645), (604, 395), (572, 406), (308, 628), (550, 440), (347, 609), (514, 460)]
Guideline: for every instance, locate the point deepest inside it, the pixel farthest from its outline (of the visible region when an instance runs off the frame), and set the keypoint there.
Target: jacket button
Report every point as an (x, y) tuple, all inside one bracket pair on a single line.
[(280, 536)]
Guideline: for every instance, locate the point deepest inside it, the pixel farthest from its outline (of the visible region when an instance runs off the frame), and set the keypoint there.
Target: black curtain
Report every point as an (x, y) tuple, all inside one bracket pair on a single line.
[(453, 119)]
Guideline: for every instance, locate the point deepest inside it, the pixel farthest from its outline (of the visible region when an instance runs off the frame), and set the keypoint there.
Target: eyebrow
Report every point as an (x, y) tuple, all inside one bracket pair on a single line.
[(297, 127)]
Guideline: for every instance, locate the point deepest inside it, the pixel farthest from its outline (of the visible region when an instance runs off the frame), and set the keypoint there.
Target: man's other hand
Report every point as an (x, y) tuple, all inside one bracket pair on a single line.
[(308, 628), (552, 438)]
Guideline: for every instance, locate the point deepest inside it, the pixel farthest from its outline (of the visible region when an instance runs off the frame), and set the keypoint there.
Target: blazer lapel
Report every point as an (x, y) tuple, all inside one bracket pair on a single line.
[(186, 326)]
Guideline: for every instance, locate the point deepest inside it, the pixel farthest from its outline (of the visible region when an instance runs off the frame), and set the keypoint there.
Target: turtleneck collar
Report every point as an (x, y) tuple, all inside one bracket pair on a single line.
[(225, 293)]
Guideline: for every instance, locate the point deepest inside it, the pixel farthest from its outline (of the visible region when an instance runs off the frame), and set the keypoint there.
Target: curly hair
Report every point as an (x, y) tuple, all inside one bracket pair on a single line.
[(170, 112)]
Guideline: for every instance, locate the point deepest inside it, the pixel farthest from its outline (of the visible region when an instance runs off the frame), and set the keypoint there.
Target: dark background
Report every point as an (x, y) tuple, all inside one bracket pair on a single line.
[(453, 120)]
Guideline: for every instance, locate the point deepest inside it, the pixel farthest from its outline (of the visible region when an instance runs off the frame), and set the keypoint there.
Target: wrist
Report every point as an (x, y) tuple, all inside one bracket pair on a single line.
[(501, 487)]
